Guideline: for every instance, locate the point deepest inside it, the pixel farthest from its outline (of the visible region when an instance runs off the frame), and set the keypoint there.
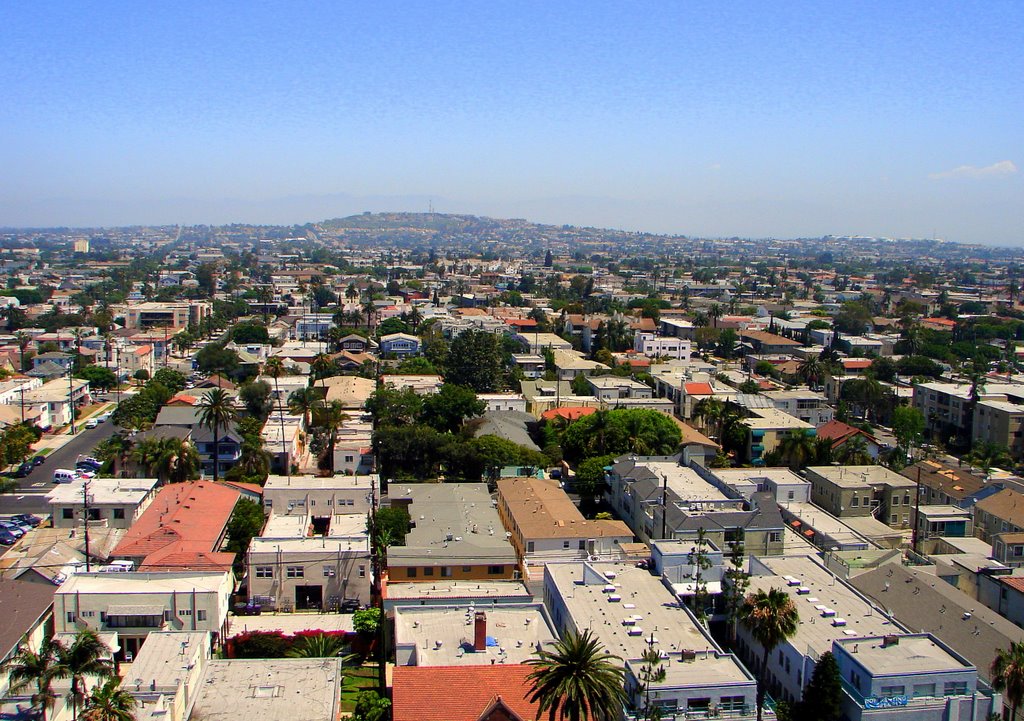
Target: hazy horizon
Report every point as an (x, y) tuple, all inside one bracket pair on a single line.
[(707, 120)]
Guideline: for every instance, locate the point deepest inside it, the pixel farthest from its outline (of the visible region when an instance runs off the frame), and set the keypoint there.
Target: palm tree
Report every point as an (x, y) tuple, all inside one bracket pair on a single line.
[(577, 680), (1008, 675), (36, 669), (216, 411), (796, 449), (304, 402), (710, 411), (854, 452), (714, 313), (110, 702), (146, 454), (24, 340), (771, 617), (330, 417), (321, 366), (254, 459), (811, 370), (321, 645), (177, 460), (369, 309), (86, 656)]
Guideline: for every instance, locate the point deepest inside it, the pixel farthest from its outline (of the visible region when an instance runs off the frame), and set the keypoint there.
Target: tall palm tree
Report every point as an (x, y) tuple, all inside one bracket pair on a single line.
[(771, 617), (330, 417), (24, 340), (304, 402), (811, 370), (254, 459), (1008, 675), (217, 411), (274, 367), (714, 313), (85, 656), (577, 680), (110, 702), (146, 454), (321, 366), (37, 670), (854, 452), (710, 411)]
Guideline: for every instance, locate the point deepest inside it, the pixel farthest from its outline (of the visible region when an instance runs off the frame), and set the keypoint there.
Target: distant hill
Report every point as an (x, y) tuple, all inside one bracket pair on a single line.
[(440, 222)]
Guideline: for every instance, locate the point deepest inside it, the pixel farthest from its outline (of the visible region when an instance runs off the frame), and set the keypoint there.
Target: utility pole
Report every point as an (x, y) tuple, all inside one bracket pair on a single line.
[(71, 398), (85, 520), (917, 512), (664, 506), (21, 389)]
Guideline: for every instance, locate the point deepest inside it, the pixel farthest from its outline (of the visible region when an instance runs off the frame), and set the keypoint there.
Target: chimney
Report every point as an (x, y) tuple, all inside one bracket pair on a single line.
[(480, 631)]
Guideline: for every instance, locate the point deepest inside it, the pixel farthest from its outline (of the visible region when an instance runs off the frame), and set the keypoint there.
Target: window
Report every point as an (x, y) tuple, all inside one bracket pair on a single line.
[(732, 703), (264, 571), (71, 617), (295, 572), (119, 514), (67, 513), (565, 544), (446, 572), (495, 570), (349, 459), (792, 495), (855, 502), (328, 571), (200, 615), (889, 691), (410, 572), (529, 546), (955, 688), (428, 571), (1018, 551), (906, 499), (775, 537), (895, 500), (924, 689), (467, 569), (362, 571), (88, 614), (893, 518)]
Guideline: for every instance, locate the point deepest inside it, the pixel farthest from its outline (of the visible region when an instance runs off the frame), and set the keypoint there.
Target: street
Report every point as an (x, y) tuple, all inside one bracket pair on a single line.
[(30, 496)]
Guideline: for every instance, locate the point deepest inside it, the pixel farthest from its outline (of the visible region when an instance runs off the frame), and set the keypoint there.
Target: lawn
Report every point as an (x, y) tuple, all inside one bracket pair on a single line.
[(353, 680)]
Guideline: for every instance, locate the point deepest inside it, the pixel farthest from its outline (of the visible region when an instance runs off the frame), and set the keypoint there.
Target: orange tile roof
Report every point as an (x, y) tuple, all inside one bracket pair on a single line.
[(184, 518), (698, 389), (424, 693), (856, 362), (1014, 582), (570, 413)]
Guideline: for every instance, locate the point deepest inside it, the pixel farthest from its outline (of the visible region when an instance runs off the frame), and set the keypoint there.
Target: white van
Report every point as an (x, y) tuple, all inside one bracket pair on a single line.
[(62, 475), (118, 567)]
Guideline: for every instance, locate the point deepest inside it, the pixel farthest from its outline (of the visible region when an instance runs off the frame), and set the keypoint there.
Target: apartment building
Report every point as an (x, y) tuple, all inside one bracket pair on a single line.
[(635, 612), (173, 316), (854, 491), (809, 406), (135, 604), (456, 534), (999, 422), (165, 674), (316, 496), (767, 427), (1000, 513), (111, 502), (656, 346), (306, 562), (546, 526)]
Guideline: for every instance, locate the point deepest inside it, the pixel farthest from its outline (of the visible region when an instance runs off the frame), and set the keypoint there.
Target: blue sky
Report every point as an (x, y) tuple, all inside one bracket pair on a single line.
[(720, 119)]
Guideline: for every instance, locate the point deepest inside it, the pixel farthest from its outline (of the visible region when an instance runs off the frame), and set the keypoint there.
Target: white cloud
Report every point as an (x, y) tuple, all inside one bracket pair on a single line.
[(1003, 167)]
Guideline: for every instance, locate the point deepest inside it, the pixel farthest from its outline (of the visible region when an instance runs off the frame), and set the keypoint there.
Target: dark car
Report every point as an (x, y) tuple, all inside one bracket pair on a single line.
[(38, 460), (6, 537), (27, 519), (24, 469), (350, 605)]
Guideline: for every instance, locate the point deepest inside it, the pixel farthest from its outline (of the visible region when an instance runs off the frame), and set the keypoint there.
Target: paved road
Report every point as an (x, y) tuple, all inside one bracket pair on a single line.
[(30, 497)]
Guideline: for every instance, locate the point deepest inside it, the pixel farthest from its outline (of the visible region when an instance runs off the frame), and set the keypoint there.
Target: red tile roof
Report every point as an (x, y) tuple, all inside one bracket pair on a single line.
[(1014, 582), (182, 528), (570, 413), (698, 389), (425, 693), (856, 362), (839, 432)]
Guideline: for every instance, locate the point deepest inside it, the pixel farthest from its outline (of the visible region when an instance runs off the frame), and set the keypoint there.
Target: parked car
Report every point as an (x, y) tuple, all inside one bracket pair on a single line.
[(24, 469), (91, 423), (27, 518), (89, 460), (13, 528), (350, 605), (7, 538), (63, 475), (38, 460)]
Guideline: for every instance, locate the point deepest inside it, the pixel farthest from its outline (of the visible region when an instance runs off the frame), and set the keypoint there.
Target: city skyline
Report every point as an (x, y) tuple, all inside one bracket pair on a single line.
[(798, 121)]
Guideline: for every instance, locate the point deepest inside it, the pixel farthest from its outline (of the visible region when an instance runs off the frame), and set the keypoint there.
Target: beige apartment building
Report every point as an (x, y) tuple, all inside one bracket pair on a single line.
[(172, 315), (857, 491)]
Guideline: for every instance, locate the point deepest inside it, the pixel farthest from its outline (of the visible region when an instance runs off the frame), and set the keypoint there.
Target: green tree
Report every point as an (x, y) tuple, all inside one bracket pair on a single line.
[(727, 341), (366, 620), (770, 617), (1008, 675), (737, 581), (100, 378), (36, 670), (854, 452), (986, 456), (16, 443), (328, 418), (590, 482), (908, 427), (636, 430), (250, 332), (246, 522), (392, 407), (447, 409), (110, 702), (395, 521), (255, 396), (304, 402), (797, 449), (319, 645), (579, 385), (371, 706), (652, 671), (215, 358), (171, 379), (576, 679), (86, 655), (474, 361), (823, 694), (217, 411)]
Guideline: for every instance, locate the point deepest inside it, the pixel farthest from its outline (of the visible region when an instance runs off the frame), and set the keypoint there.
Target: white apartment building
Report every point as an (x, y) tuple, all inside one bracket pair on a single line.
[(315, 496), (111, 502), (135, 604), (657, 346)]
